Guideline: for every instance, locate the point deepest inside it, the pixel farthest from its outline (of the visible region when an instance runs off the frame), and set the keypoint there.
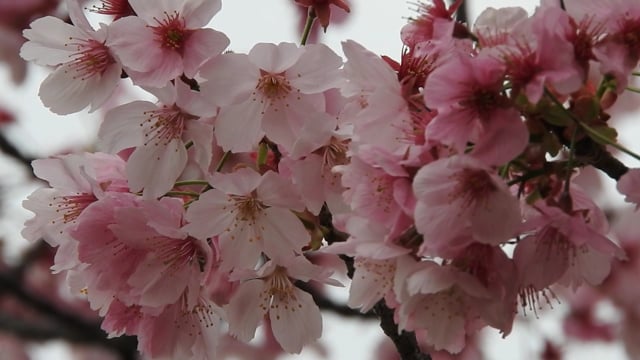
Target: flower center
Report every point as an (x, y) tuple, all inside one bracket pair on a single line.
[(247, 207), (473, 186), (273, 86), (164, 124), (171, 32), (116, 8), (280, 286), (91, 58), (70, 206)]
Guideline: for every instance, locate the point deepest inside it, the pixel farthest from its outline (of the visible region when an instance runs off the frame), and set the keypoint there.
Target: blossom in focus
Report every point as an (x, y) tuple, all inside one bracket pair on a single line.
[(250, 214), (459, 201), (269, 92), (294, 317), (159, 133), (468, 96), (166, 39), (86, 72)]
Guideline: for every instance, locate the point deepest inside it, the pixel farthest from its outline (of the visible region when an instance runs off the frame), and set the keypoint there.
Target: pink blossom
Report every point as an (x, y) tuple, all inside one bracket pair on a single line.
[(459, 200), (471, 107), (629, 185), (269, 92), (494, 27), (434, 21), (107, 261), (438, 300), (174, 264), (181, 331), (250, 214), (572, 247), (375, 105), (159, 133), (619, 51), (10, 43), (76, 182), (86, 72), (374, 193), (582, 322), (116, 8), (295, 318), (497, 273), (376, 260), (545, 56), (166, 39)]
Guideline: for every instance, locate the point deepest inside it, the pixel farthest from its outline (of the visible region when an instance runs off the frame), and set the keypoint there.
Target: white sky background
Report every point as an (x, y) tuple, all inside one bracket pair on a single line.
[(375, 24)]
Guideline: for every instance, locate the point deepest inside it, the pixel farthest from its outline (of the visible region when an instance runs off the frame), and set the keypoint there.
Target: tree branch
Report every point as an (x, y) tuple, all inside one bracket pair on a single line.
[(67, 325), (596, 155), (12, 151), (405, 342), (324, 303)]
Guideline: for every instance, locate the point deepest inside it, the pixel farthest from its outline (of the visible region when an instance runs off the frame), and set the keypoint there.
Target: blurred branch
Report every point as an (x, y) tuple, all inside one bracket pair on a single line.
[(324, 303), (67, 326), (44, 332), (592, 153), (462, 13), (405, 342), (12, 151)]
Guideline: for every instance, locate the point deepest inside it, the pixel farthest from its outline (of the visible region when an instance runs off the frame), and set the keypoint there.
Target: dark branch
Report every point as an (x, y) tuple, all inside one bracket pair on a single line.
[(325, 303), (592, 153), (68, 326), (405, 342), (462, 15), (43, 332), (12, 151)]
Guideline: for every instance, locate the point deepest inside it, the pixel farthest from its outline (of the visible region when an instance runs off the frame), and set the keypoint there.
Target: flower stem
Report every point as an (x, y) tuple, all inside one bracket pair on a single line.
[(632, 89), (594, 134), (191, 182), (183, 193), (223, 159), (311, 16)]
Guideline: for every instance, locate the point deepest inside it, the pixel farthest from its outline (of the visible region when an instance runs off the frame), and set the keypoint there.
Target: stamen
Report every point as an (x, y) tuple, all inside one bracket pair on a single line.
[(171, 31), (91, 58), (166, 124), (474, 186), (71, 206), (116, 8), (274, 86)]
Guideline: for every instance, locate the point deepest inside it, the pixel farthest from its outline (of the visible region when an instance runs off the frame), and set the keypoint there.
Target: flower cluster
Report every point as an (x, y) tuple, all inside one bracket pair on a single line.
[(449, 172)]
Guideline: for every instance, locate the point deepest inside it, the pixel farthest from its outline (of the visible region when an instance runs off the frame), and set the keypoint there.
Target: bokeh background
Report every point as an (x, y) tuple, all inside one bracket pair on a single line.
[(36, 133)]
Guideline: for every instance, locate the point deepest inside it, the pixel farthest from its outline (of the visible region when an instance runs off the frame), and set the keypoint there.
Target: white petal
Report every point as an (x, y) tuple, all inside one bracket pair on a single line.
[(295, 322), (244, 312), (155, 168)]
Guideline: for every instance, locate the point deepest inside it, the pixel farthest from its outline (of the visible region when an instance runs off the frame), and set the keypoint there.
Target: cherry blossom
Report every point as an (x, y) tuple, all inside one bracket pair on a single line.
[(76, 182), (159, 133), (460, 201), (269, 92), (250, 214), (165, 40), (444, 178), (294, 317), (628, 185), (87, 72), (467, 94)]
